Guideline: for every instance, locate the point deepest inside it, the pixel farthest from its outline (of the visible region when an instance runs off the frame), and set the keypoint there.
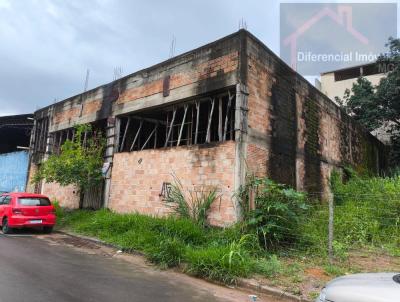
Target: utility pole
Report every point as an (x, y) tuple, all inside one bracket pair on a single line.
[(330, 227)]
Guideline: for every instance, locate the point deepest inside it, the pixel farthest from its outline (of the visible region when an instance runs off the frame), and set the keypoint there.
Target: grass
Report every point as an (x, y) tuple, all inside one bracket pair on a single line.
[(217, 254), (367, 236), (366, 215)]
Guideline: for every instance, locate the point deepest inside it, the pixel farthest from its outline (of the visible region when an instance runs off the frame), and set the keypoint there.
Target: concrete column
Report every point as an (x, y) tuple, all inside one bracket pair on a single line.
[(112, 135), (241, 130)]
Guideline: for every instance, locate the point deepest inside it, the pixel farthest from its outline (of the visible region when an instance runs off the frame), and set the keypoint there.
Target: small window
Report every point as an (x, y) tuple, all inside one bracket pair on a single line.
[(372, 69), (29, 201), (346, 74), (1, 199)]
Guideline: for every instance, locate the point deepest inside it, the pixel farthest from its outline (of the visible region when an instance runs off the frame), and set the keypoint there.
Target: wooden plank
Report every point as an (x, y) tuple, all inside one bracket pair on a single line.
[(155, 138), (209, 121), (151, 120), (190, 128), (166, 128), (197, 121), (228, 108), (182, 125), (147, 140), (136, 136), (170, 128), (220, 119), (124, 136)]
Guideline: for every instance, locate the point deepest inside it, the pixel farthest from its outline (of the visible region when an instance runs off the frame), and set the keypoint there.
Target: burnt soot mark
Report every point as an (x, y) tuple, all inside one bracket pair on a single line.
[(282, 161), (110, 94), (312, 148)]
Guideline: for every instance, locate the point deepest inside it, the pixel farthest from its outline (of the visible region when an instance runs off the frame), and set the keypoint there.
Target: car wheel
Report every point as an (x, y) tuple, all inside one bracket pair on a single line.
[(5, 228), (47, 230)]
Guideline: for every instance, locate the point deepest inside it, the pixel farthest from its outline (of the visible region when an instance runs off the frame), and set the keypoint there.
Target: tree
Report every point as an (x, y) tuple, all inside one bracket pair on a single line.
[(379, 106), (79, 162)]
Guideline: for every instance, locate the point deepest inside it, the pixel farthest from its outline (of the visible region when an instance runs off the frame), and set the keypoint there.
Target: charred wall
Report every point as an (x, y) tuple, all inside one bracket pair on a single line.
[(300, 132)]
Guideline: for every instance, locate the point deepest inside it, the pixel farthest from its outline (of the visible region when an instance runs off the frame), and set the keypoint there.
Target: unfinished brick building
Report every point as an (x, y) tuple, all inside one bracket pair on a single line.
[(209, 116)]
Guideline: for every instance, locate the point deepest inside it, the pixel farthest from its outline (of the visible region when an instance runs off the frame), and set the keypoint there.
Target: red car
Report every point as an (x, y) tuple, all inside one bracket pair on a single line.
[(26, 210)]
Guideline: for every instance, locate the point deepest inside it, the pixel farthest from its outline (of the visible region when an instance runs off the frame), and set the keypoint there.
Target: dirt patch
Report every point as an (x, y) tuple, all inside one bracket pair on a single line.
[(316, 273), (305, 276), (372, 261)]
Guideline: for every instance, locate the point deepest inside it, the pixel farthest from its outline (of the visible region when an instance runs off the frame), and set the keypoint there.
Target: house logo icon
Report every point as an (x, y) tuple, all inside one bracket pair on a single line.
[(318, 35)]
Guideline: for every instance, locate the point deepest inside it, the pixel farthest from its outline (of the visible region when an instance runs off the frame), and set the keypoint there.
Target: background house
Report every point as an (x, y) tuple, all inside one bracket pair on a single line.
[(15, 134), (334, 84)]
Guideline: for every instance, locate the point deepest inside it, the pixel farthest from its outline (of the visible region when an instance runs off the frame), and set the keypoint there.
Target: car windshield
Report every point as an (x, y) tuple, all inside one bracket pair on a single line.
[(33, 201)]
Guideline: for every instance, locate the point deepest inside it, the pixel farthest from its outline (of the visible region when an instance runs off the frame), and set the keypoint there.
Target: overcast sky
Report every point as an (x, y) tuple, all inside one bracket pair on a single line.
[(47, 46)]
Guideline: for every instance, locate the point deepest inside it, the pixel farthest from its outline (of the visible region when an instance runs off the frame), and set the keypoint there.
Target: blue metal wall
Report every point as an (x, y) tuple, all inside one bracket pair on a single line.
[(13, 171)]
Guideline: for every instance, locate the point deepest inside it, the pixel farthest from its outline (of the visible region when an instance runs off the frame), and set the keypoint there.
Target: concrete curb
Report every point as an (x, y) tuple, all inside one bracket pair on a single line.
[(273, 291), (248, 284), (98, 241)]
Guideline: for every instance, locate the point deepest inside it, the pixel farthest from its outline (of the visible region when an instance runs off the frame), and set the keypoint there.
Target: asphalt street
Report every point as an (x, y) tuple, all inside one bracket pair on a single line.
[(36, 270)]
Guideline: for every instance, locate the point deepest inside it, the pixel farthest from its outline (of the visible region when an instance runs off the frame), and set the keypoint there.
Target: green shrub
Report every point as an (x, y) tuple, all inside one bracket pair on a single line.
[(184, 229), (59, 210), (168, 252), (366, 213), (195, 205), (268, 267), (213, 253), (222, 263), (214, 263), (278, 212)]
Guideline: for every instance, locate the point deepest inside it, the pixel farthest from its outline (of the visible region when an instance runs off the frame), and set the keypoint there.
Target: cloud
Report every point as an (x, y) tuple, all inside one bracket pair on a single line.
[(47, 46), (5, 4)]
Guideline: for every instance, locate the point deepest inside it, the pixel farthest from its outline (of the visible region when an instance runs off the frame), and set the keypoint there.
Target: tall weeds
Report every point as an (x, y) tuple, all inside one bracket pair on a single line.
[(194, 205)]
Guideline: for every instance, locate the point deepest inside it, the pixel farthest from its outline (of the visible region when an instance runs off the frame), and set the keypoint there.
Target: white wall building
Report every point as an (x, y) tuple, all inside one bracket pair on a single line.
[(334, 84)]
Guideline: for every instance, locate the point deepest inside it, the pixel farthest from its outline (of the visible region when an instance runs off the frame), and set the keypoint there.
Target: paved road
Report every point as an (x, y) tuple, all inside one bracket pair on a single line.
[(36, 268)]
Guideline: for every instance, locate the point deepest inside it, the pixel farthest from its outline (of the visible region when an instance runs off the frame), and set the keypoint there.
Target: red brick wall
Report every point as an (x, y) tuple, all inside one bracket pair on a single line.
[(137, 178), (31, 173), (257, 160), (259, 83), (67, 197), (215, 61), (205, 70), (296, 134)]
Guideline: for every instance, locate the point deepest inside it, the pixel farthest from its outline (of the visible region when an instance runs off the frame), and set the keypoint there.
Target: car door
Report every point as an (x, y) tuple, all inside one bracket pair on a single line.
[(2, 207), (7, 205)]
